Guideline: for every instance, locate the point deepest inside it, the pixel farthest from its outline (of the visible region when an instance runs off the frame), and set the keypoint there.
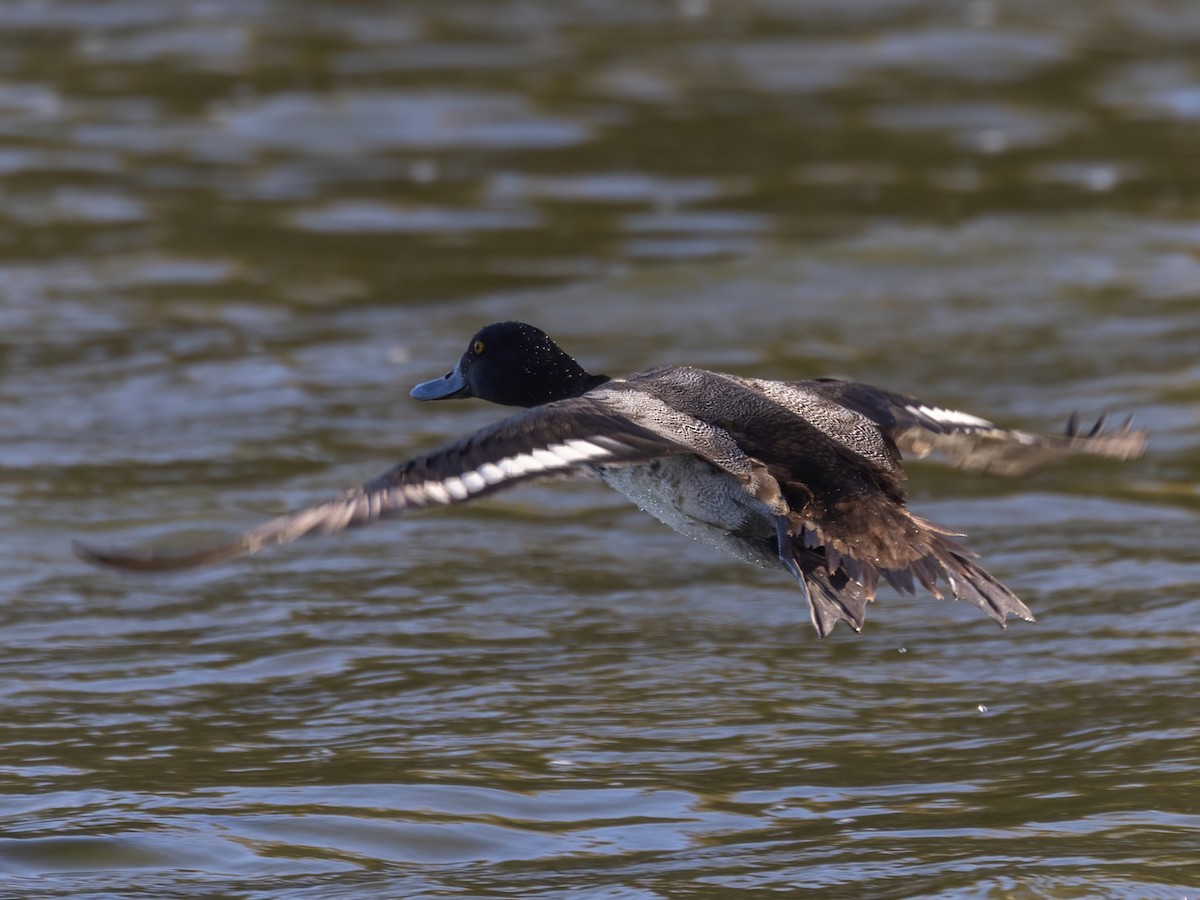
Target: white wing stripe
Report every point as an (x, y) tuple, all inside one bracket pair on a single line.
[(436, 491), (516, 466), (540, 459), (575, 450), (455, 488), (474, 482), (491, 473), (949, 416)]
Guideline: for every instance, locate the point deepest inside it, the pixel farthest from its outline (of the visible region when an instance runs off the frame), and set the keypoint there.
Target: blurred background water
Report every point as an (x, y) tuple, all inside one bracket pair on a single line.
[(232, 236)]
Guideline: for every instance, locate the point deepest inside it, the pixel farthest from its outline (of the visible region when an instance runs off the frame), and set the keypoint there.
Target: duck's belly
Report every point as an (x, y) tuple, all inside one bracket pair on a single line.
[(699, 500)]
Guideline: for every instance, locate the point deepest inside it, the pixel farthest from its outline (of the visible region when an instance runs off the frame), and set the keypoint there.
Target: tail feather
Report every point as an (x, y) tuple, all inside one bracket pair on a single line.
[(901, 579), (834, 598), (838, 586), (973, 583)]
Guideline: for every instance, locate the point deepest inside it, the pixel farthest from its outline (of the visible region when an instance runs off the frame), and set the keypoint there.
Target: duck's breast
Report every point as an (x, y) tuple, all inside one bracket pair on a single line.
[(696, 498)]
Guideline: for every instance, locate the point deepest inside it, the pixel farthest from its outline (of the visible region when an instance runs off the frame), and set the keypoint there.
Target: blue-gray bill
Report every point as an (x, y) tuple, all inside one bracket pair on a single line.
[(450, 386)]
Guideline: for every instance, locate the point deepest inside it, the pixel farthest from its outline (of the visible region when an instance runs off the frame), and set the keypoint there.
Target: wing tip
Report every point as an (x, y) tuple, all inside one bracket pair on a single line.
[(147, 560), (97, 555), (1124, 442)]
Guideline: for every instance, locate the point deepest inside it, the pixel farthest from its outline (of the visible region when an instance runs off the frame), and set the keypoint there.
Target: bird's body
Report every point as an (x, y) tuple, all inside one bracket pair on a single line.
[(804, 475)]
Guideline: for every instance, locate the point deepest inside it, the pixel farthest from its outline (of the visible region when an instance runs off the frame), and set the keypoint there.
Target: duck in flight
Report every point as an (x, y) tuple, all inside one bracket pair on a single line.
[(803, 475)]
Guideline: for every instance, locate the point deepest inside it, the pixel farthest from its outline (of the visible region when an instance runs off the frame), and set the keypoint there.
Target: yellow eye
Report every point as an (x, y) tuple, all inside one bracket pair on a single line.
[(478, 348)]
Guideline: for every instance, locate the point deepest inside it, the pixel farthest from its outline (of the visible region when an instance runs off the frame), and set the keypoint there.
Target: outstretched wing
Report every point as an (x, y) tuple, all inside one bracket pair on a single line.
[(556, 439), (969, 442)]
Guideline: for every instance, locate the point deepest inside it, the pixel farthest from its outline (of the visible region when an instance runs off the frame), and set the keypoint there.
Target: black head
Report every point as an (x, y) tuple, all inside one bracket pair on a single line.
[(512, 364)]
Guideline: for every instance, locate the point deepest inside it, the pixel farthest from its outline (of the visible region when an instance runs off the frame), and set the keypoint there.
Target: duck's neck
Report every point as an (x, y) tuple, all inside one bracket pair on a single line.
[(565, 389)]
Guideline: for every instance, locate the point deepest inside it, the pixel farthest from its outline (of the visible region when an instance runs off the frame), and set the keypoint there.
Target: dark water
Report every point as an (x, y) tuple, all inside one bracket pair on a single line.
[(232, 235)]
